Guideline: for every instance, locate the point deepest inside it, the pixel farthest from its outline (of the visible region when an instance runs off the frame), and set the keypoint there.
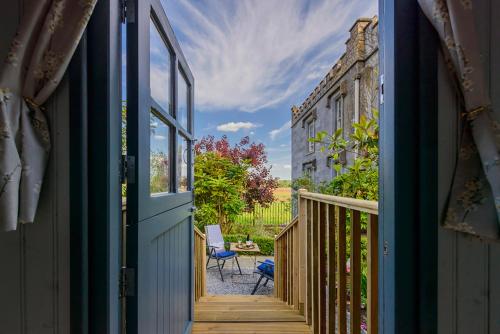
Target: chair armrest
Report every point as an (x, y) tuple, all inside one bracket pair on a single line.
[(211, 249)]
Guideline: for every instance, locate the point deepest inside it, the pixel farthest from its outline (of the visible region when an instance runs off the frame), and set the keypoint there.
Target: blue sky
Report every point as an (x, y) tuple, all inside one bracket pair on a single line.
[(253, 59)]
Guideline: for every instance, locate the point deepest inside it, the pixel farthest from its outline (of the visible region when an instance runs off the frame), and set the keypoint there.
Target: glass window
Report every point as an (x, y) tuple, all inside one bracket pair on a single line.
[(159, 69), (159, 171), (183, 104), (310, 134), (308, 170), (182, 164), (339, 113)]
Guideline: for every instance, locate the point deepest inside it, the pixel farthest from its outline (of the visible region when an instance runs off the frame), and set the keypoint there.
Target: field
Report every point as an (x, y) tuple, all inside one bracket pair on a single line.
[(283, 194)]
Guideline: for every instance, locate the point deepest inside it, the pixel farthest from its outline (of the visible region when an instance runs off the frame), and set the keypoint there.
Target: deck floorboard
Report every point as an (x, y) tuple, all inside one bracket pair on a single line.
[(246, 314)]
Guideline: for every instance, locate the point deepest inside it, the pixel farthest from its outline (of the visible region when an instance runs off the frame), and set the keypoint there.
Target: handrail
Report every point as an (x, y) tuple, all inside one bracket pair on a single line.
[(345, 202), (199, 233), (287, 227), (311, 255), (200, 257)]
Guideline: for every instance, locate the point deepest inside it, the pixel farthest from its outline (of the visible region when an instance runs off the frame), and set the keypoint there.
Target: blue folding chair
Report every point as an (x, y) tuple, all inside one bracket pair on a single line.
[(266, 270), (217, 249)]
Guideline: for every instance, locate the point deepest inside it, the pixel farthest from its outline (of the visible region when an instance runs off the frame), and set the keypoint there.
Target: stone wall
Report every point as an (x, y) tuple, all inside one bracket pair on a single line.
[(359, 62)]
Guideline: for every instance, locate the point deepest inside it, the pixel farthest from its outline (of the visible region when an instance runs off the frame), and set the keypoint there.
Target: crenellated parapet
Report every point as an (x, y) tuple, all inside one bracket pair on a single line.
[(362, 42)]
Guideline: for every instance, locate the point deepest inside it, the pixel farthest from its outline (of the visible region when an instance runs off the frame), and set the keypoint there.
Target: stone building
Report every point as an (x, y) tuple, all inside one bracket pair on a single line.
[(349, 90)]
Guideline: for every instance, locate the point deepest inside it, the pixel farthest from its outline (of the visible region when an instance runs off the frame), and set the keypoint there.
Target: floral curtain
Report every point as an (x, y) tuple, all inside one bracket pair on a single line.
[(40, 52), (474, 200)]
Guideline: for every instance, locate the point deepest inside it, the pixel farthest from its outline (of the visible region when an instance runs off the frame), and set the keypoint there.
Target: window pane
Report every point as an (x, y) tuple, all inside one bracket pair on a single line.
[(310, 130), (339, 113), (182, 164), (183, 96), (159, 156), (159, 69)]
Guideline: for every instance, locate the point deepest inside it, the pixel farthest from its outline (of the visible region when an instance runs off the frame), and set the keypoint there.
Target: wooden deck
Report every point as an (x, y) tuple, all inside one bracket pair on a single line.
[(246, 314)]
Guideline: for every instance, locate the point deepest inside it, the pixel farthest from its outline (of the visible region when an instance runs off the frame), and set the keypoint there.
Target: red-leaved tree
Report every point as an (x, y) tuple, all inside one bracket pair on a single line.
[(260, 184)]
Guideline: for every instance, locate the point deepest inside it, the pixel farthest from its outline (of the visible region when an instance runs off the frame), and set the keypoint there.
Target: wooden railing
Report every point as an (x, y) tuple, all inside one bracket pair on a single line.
[(311, 256), (200, 258)]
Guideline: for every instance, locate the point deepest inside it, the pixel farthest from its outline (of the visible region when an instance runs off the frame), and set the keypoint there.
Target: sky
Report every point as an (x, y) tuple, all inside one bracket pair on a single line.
[(253, 59)]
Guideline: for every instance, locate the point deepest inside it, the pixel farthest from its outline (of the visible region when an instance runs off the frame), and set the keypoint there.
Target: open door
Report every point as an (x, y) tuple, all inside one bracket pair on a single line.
[(159, 244)]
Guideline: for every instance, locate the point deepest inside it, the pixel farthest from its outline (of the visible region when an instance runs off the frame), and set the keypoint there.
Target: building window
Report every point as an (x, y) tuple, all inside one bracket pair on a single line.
[(309, 168), (339, 114), (309, 172), (310, 134)]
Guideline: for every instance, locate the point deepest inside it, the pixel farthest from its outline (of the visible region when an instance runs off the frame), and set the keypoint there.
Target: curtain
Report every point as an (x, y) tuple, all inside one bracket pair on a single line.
[(474, 199), (40, 52)]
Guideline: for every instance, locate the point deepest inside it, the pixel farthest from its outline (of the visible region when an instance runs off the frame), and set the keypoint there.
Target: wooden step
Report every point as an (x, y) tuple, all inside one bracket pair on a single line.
[(231, 314), (249, 328), (239, 298), (248, 316)]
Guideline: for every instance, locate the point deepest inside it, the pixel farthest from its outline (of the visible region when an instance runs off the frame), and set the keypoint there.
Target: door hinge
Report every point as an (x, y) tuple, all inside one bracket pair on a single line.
[(381, 89), (127, 282), (123, 11), (127, 173), (127, 11), (386, 248)]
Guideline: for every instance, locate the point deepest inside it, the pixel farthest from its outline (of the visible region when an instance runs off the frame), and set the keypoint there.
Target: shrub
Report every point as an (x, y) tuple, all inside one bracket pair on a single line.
[(217, 187)]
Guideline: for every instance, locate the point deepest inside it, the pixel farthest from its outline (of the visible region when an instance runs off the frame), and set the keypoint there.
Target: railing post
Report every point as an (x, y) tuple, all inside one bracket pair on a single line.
[(277, 269), (332, 286), (200, 287), (302, 251), (203, 251), (296, 266), (355, 282), (321, 245), (309, 260), (340, 215), (372, 274)]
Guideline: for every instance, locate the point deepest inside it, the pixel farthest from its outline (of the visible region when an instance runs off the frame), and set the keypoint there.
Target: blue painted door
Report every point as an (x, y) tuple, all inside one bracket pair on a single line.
[(159, 240)]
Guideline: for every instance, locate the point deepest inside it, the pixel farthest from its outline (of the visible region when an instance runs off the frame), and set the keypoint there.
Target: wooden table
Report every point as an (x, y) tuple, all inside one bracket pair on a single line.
[(255, 250), (234, 248)]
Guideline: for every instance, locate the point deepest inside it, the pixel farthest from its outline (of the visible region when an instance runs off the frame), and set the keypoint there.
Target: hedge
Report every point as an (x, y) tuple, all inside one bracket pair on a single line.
[(266, 245)]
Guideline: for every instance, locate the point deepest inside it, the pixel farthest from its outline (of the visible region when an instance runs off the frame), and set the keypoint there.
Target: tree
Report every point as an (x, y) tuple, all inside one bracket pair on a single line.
[(218, 185), (259, 183), (361, 179)]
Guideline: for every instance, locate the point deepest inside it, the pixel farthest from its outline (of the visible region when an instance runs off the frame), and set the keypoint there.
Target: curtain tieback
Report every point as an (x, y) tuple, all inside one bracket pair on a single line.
[(32, 104), (472, 114)]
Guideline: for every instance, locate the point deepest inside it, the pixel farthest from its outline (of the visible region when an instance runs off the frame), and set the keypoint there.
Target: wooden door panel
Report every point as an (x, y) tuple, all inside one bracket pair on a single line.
[(159, 196), (165, 255)]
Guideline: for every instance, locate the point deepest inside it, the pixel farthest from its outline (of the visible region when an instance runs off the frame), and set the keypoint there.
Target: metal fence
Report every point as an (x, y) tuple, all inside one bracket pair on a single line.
[(278, 213)]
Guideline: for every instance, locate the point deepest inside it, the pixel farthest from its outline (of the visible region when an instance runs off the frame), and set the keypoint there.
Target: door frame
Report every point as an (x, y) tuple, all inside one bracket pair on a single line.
[(104, 165), (408, 170)]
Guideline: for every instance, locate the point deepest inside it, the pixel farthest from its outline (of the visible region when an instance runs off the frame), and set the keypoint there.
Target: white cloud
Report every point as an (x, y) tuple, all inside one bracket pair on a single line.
[(252, 132), (281, 130), (236, 126), (160, 137), (281, 170), (251, 54)]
